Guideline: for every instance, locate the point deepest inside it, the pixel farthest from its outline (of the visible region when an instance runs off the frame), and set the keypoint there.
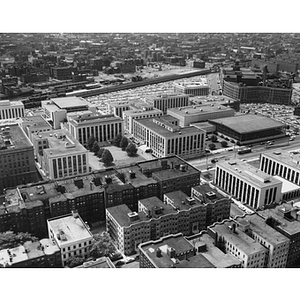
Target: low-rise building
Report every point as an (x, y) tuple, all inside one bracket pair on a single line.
[(248, 184), (11, 109), (194, 88), (71, 235), (101, 262)]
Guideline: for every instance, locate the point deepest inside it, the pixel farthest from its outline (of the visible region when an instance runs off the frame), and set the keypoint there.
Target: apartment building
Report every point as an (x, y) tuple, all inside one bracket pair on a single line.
[(248, 184), (71, 235), (165, 138), (83, 125)]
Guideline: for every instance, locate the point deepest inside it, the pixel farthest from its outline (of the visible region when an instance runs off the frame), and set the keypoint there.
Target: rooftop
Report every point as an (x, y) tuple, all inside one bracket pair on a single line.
[(248, 123), (291, 159), (69, 229), (35, 122), (87, 117), (68, 102), (212, 253), (12, 137), (287, 186), (207, 194), (239, 239), (249, 173), (139, 112)]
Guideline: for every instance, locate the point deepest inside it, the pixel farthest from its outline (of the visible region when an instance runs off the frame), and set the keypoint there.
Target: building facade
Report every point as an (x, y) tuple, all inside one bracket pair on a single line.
[(11, 109), (196, 88)]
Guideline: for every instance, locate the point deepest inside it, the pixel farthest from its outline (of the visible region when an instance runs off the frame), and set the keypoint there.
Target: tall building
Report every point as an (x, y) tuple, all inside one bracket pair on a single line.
[(199, 113), (11, 109), (118, 107), (63, 73), (71, 235), (164, 138), (103, 127), (60, 155), (172, 251), (248, 184), (165, 101), (17, 164)]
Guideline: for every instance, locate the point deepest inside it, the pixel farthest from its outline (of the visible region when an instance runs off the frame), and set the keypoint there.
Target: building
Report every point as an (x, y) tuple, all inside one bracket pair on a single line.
[(136, 114), (34, 124), (118, 107), (248, 87), (17, 164), (248, 184), (199, 113), (172, 251), (86, 124), (11, 109), (247, 129), (71, 235), (165, 101), (101, 262), (193, 88), (276, 243), (63, 73), (56, 109), (284, 166), (164, 138), (205, 245), (285, 219), (231, 239), (40, 254), (60, 155), (217, 206)]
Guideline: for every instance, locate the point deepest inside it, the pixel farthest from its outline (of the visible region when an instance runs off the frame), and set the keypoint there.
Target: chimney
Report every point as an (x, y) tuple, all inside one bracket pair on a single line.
[(158, 252)]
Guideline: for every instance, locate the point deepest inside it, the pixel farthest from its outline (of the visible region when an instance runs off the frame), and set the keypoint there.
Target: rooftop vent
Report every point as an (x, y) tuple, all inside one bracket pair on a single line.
[(133, 216)]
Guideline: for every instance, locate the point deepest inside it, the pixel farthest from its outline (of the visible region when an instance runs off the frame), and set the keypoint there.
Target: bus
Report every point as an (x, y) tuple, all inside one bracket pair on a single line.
[(244, 150)]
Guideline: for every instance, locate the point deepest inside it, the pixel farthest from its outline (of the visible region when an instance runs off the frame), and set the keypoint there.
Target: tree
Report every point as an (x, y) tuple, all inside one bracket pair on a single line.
[(224, 144), (131, 149), (212, 146), (10, 239), (102, 245), (95, 147), (100, 152), (75, 261), (107, 157), (116, 141), (214, 138), (124, 143), (91, 141)]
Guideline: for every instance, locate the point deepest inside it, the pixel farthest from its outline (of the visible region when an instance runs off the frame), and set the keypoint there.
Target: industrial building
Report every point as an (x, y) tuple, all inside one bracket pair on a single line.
[(247, 129)]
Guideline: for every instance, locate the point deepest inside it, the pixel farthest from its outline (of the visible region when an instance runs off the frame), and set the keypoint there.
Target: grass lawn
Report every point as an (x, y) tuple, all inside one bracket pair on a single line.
[(120, 158)]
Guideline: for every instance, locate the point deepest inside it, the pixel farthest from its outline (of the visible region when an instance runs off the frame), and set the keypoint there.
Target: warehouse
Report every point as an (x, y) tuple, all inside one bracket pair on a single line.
[(248, 129)]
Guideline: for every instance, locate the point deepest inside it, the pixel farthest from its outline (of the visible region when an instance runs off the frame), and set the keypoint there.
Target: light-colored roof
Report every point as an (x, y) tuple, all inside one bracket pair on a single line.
[(287, 186), (67, 102)]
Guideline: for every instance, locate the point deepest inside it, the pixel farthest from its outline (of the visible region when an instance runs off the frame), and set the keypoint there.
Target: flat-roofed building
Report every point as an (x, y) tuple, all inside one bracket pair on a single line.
[(165, 101), (86, 124), (17, 164), (205, 245), (199, 113), (194, 88), (248, 129), (40, 254), (285, 219), (136, 114), (285, 165), (153, 220), (276, 243), (60, 155), (11, 109), (71, 235), (101, 262), (34, 124), (172, 251), (56, 109), (248, 184), (165, 138), (231, 239), (118, 107)]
